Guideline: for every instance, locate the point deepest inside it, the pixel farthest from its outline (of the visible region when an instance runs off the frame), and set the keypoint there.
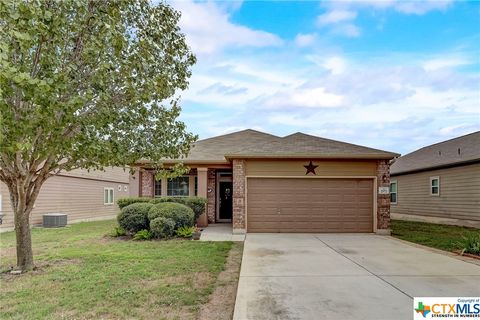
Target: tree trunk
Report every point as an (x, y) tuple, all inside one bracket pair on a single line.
[(24, 239)]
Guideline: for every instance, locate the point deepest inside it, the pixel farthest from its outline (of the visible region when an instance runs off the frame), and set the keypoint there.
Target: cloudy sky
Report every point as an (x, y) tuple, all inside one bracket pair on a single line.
[(386, 74)]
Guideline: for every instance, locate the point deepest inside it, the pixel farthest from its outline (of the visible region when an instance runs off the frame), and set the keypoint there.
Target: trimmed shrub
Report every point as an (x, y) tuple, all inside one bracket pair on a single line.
[(134, 217), (142, 235), (123, 202), (197, 204), (162, 227), (168, 199), (179, 213)]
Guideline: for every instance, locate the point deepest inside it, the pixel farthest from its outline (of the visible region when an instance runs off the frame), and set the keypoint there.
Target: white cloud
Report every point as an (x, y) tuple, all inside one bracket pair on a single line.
[(349, 30), (336, 16), (440, 63), (303, 98), (209, 30), (421, 7), (305, 40), (335, 65)]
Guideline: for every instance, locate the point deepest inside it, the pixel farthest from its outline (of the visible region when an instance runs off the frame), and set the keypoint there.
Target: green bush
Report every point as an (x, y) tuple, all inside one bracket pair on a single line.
[(162, 227), (185, 232), (181, 214), (134, 217), (142, 235), (123, 202), (197, 204), (167, 199), (118, 232), (470, 244)]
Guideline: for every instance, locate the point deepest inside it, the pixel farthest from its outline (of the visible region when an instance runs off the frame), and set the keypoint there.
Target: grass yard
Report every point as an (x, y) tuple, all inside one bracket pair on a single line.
[(84, 275), (438, 236)]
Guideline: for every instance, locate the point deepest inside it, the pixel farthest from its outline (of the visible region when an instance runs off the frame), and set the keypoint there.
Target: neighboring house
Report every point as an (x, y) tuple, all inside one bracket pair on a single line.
[(439, 183), (298, 183), (82, 195)]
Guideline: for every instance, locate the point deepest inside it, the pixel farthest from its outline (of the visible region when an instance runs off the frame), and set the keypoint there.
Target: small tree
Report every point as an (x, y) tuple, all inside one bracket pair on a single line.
[(85, 84)]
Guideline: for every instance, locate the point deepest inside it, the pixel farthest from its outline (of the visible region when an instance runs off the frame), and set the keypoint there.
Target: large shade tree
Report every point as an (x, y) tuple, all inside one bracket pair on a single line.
[(86, 84)]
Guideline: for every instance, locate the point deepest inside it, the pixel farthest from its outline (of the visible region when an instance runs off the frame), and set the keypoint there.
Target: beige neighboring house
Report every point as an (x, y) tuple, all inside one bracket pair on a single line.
[(299, 183), (439, 183), (82, 195)]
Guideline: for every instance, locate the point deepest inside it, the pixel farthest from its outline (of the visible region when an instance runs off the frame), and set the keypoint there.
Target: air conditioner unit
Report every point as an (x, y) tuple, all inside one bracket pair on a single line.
[(54, 220)]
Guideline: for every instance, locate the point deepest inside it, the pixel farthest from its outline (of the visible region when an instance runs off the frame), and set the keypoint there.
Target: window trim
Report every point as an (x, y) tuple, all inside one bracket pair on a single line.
[(108, 196), (431, 186), (396, 191)]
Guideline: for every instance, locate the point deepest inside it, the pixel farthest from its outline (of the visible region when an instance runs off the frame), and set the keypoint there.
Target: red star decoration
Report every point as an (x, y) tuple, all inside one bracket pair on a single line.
[(310, 168)]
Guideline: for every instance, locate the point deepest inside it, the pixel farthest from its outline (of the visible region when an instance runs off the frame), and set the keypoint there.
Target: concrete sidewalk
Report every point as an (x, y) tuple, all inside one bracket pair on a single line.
[(343, 276), (220, 232)]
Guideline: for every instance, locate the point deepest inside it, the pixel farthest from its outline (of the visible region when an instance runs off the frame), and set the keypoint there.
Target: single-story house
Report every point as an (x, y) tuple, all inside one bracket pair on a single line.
[(298, 183), (82, 195), (439, 183)]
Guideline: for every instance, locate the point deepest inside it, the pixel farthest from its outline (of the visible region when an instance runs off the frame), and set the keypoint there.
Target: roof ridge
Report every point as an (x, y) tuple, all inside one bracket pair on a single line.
[(441, 142), (237, 132), (332, 140)]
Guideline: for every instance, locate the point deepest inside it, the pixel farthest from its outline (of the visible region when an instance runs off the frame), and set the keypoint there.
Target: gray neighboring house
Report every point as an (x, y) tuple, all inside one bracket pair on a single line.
[(439, 183)]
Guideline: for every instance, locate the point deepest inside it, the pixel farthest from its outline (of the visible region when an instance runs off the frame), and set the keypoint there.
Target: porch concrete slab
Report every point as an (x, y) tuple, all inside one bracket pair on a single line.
[(343, 276), (220, 232)]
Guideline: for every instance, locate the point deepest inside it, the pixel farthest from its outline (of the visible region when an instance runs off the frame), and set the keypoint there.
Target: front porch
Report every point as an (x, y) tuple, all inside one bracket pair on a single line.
[(216, 183), (220, 232)]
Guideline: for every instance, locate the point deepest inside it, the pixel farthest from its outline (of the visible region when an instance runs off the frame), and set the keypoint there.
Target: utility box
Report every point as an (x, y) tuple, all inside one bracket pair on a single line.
[(54, 220)]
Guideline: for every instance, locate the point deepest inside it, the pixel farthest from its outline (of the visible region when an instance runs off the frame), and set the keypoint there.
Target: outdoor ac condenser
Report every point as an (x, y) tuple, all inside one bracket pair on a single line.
[(54, 220)]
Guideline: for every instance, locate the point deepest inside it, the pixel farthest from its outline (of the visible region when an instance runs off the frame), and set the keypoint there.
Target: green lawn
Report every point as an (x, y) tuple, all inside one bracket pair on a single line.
[(433, 235), (84, 275)]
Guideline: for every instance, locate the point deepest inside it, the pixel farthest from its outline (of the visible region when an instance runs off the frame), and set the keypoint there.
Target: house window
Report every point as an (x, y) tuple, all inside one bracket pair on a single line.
[(196, 186), (435, 186), (178, 186), (393, 192), (107, 196), (158, 188)]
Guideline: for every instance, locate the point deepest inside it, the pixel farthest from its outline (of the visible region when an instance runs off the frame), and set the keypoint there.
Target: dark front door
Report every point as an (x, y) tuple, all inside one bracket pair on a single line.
[(225, 200)]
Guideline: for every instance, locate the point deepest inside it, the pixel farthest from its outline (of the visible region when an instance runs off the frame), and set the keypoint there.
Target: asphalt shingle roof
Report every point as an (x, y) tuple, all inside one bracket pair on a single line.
[(254, 144), (455, 151)]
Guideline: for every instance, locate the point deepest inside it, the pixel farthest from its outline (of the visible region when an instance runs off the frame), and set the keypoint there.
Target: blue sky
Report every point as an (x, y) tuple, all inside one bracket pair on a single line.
[(393, 75)]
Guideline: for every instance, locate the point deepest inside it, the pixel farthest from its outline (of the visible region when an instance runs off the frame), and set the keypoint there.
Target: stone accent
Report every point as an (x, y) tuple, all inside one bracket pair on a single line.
[(146, 184), (239, 223), (383, 200), (211, 196)]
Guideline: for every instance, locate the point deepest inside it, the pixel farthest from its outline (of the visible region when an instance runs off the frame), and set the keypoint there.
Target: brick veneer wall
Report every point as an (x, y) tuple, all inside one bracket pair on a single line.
[(146, 185), (211, 204), (238, 218), (383, 200)]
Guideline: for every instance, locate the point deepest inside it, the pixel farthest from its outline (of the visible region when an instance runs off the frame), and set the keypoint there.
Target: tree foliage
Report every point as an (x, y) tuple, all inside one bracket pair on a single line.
[(87, 84)]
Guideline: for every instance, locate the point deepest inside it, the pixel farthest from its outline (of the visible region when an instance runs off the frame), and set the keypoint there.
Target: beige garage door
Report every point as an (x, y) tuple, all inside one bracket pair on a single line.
[(309, 205)]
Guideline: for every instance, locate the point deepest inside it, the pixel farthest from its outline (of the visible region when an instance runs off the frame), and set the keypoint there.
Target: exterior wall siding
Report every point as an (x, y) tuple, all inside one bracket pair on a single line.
[(238, 218), (458, 202), (325, 168), (80, 198)]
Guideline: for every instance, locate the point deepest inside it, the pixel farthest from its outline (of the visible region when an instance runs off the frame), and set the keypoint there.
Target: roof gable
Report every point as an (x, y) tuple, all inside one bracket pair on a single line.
[(455, 151)]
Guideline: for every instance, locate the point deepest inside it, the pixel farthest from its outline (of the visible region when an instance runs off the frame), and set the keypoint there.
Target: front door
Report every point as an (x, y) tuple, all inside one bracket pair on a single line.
[(225, 201)]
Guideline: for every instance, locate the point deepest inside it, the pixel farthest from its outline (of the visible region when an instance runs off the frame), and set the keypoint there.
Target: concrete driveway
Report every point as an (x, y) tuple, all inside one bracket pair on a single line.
[(343, 276)]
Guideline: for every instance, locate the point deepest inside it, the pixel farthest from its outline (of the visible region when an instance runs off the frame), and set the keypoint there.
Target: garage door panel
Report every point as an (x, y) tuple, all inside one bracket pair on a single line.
[(309, 205)]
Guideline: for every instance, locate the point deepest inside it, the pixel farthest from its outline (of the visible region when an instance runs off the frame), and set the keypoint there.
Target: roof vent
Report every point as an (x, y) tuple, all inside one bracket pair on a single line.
[(458, 150), (439, 152)]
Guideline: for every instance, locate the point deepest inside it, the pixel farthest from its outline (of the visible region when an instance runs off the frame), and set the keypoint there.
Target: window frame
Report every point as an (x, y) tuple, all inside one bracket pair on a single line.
[(155, 184), (431, 186), (169, 180), (111, 192), (396, 191)]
